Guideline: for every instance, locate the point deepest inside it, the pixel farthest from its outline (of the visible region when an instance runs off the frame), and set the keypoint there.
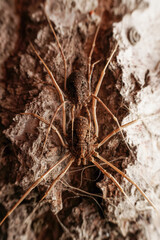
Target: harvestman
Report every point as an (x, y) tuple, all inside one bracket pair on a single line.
[(84, 146)]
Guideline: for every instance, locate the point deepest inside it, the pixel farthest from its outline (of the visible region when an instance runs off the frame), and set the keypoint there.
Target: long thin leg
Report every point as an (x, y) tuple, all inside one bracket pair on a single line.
[(50, 126), (56, 86), (59, 177), (89, 117), (60, 48), (79, 189), (72, 119), (108, 175), (126, 177), (83, 193), (90, 75), (92, 48), (115, 119), (108, 110), (97, 91), (48, 123), (115, 131), (35, 184)]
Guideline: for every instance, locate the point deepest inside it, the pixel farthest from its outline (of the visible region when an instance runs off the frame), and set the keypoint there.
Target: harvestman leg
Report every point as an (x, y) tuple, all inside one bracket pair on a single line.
[(50, 126), (58, 177), (126, 177), (96, 154), (72, 120), (108, 175), (60, 48), (48, 123), (89, 117), (90, 71), (35, 184), (91, 51), (56, 86), (90, 75), (114, 118), (97, 91), (108, 110), (115, 131)]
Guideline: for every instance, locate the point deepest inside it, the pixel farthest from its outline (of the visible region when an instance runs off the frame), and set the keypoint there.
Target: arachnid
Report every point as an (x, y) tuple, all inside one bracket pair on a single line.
[(83, 143)]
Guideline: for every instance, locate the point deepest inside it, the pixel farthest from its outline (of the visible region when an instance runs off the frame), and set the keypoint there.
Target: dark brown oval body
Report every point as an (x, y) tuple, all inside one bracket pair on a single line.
[(77, 88)]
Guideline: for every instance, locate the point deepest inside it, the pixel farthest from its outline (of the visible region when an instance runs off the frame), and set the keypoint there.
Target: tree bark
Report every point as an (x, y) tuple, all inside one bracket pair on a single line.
[(85, 204)]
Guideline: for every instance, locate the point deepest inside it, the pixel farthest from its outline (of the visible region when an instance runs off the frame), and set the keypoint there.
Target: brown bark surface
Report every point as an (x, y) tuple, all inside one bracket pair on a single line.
[(85, 204)]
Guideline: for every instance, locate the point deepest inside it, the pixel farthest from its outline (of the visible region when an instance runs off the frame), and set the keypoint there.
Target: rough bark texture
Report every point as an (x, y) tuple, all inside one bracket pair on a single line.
[(90, 207)]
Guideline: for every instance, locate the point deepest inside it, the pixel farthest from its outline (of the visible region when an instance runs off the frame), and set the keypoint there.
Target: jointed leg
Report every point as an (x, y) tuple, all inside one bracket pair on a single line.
[(91, 52), (115, 131), (48, 123), (35, 184), (109, 176), (90, 75), (113, 116), (60, 48), (125, 176), (83, 193), (56, 86), (72, 119), (108, 110), (118, 130), (89, 117), (50, 126), (97, 91), (59, 177)]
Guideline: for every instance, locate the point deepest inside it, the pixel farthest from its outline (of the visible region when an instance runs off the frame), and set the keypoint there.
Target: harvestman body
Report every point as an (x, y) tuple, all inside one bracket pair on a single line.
[(83, 145)]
